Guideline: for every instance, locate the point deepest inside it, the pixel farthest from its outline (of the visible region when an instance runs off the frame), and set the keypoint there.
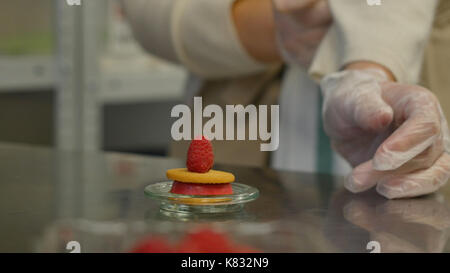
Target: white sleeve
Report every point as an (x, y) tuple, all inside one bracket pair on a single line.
[(200, 34), (393, 34), (150, 22)]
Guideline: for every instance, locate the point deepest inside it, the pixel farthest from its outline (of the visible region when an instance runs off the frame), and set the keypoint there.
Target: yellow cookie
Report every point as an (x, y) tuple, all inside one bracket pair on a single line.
[(210, 177)]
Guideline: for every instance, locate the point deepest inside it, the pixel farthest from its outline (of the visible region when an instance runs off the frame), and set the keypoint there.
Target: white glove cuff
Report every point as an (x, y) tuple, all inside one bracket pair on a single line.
[(331, 81)]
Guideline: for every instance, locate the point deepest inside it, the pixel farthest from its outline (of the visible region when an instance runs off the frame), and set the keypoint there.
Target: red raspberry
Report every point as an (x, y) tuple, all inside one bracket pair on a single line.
[(200, 157)]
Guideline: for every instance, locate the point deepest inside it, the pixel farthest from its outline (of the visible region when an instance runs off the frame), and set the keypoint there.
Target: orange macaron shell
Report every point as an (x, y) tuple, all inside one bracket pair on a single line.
[(210, 177)]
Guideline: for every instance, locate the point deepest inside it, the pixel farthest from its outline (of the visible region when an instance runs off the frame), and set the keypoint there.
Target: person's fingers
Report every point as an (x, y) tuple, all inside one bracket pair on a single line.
[(365, 176), (357, 150), (420, 127), (370, 111), (424, 160), (362, 178), (408, 141), (445, 130), (416, 183), (355, 103)]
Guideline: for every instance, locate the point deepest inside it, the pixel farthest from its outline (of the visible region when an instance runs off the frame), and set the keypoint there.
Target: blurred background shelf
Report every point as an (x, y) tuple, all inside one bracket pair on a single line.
[(34, 73), (84, 81), (146, 79)]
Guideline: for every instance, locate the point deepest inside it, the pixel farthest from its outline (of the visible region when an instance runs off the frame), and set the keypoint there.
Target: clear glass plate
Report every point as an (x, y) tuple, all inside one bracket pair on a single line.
[(180, 203)]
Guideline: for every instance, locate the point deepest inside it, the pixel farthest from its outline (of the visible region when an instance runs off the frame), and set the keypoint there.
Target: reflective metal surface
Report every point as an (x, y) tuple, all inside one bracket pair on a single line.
[(49, 198)]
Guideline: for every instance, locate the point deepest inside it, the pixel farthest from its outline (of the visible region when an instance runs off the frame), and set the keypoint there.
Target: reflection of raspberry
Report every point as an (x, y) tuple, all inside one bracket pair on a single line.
[(210, 241), (200, 157), (203, 240), (152, 245)]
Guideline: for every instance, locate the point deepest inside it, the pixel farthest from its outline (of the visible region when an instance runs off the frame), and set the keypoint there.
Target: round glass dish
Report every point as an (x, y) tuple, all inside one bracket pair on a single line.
[(180, 203)]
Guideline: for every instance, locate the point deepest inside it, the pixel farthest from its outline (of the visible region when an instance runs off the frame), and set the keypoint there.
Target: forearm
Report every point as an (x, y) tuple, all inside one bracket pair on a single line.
[(256, 30)]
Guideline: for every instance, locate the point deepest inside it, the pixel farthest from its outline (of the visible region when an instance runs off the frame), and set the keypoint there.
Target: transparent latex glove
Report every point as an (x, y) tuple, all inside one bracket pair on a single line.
[(300, 26), (394, 135)]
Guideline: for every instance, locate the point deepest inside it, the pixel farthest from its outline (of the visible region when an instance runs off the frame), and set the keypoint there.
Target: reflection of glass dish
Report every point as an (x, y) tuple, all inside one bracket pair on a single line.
[(241, 215), (179, 203)]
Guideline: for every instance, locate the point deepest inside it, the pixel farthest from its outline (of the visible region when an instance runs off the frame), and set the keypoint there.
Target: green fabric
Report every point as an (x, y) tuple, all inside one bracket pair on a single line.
[(324, 158)]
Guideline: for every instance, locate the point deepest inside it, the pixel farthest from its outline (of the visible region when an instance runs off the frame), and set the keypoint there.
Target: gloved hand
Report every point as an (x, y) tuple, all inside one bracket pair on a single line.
[(395, 135), (300, 26)]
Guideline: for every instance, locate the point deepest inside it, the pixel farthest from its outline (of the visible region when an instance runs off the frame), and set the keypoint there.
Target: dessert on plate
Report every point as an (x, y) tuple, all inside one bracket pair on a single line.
[(198, 178)]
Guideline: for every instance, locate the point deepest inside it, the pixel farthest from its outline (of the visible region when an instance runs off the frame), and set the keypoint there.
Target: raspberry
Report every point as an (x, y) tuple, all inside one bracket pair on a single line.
[(200, 157)]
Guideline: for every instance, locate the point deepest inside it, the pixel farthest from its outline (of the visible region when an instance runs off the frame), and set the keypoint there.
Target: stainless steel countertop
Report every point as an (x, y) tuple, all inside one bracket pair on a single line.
[(50, 197)]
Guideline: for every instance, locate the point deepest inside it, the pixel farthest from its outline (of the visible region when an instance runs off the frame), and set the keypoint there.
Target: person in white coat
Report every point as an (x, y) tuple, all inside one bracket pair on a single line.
[(394, 135)]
